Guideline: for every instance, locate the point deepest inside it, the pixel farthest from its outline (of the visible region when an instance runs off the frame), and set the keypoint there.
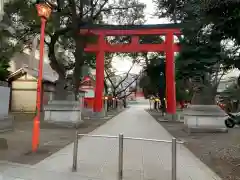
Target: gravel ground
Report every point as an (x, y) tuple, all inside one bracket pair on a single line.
[(52, 138), (220, 151)]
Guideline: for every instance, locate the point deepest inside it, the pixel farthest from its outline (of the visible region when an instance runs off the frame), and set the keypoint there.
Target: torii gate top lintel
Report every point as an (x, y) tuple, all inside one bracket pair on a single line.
[(135, 31), (149, 29)]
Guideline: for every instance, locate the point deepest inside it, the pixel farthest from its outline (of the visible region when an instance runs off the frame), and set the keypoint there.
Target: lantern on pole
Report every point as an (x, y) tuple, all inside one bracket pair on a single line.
[(44, 10), (54, 4)]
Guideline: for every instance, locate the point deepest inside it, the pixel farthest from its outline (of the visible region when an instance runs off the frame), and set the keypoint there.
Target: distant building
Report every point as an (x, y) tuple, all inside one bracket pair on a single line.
[(227, 80), (225, 83), (88, 85), (23, 83)]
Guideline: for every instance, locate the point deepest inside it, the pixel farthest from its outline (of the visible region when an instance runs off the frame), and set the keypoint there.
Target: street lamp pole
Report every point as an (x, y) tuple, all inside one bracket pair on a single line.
[(44, 10)]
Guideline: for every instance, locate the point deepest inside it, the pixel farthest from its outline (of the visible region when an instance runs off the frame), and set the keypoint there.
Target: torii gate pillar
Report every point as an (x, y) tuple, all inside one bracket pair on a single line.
[(170, 75), (99, 88), (169, 30)]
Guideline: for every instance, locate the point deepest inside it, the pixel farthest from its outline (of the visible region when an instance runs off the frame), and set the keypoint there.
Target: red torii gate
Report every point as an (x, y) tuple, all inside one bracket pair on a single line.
[(168, 46)]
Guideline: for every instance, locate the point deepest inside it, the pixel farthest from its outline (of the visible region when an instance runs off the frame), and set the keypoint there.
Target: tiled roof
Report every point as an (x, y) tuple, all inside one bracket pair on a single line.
[(21, 62), (31, 72)]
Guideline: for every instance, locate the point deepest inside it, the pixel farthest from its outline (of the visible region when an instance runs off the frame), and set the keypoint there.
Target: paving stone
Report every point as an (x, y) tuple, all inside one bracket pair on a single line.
[(143, 160)]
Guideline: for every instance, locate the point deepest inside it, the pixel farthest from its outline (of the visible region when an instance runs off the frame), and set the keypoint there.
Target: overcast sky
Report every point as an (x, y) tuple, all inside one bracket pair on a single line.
[(124, 64)]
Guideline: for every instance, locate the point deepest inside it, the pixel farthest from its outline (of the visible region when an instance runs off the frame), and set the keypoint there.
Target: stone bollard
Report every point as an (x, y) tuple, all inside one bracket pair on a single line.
[(63, 113), (204, 118)]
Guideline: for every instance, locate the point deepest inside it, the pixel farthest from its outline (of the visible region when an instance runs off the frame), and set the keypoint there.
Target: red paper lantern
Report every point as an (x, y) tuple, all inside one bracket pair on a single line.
[(44, 10)]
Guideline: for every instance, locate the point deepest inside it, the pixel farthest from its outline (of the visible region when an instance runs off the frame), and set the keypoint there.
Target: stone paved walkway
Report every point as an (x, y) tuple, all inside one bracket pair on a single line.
[(97, 157)]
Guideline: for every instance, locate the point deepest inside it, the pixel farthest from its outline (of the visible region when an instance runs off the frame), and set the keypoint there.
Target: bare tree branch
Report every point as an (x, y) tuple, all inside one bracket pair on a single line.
[(125, 96), (110, 80), (119, 8), (120, 92), (94, 17), (126, 76), (73, 7)]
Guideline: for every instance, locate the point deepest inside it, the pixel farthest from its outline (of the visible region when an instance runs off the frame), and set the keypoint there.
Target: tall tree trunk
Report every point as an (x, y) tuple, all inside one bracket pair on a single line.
[(61, 92), (114, 93), (106, 87), (79, 62), (80, 43)]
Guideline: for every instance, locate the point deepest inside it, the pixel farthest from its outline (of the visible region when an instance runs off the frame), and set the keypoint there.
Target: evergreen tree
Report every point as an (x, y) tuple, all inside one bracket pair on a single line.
[(62, 30), (203, 58), (7, 48)]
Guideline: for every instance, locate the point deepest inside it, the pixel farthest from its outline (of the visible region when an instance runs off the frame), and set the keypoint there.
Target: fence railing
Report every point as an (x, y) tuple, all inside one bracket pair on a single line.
[(121, 138)]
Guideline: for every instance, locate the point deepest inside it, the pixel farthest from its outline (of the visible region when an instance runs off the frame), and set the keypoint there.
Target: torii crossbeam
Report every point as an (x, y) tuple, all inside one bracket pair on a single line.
[(102, 46)]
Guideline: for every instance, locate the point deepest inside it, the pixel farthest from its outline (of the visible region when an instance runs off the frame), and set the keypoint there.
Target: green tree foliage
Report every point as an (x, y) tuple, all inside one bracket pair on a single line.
[(153, 80), (4, 61), (7, 48), (62, 31), (207, 26), (4, 70)]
